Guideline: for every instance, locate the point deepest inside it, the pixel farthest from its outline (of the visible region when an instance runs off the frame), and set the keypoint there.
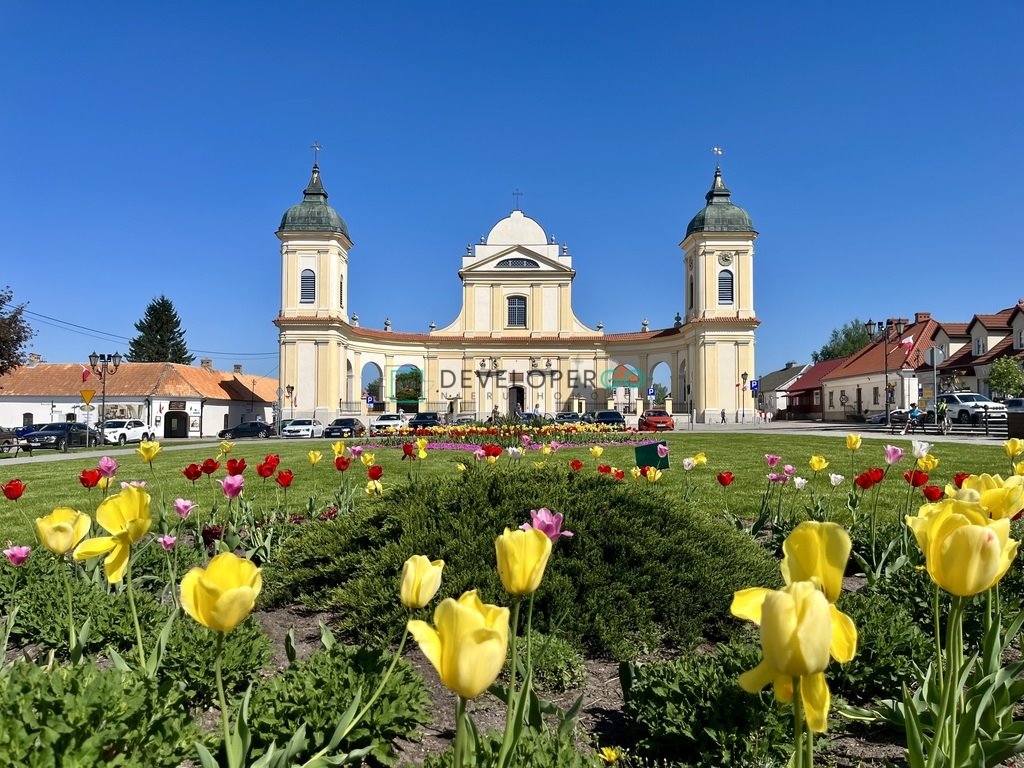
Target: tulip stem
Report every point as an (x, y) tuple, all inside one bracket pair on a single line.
[(798, 725), (506, 742), (945, 725), (71, 610), (460, 732), (380, 686), (938, 636), (135, 616), (224, 714)]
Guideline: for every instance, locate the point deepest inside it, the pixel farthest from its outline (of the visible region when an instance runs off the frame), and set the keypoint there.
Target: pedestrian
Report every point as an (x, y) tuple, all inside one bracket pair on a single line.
[(723, 415), (768, 416)]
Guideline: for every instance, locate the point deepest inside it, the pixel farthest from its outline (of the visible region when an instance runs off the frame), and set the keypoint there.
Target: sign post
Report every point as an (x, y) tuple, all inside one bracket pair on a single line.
[(87, 399)]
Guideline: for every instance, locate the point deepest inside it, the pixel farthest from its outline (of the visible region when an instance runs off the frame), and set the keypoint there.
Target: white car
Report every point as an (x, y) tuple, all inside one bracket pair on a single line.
[(386, 421), (1014, 404), (121, 431), (303, 428), (970, 407)]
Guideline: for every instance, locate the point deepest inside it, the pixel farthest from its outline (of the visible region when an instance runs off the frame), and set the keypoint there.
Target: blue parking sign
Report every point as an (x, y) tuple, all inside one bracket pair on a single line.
[(369, 399), (754, 385)]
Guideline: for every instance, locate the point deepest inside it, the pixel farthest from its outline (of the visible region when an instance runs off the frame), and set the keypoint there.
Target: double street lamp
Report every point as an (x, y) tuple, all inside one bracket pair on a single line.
[(291, 400), (885, 332), (743, 398), (102, 366)]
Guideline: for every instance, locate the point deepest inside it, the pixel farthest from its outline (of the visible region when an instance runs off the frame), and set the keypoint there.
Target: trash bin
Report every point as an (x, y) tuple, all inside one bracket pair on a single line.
[(1015, 425)]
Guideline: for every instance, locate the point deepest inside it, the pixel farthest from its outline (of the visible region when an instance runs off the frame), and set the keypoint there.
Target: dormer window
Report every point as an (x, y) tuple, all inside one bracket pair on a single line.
[(517, 263), (516, 311), (979, 347), (1020, 339)]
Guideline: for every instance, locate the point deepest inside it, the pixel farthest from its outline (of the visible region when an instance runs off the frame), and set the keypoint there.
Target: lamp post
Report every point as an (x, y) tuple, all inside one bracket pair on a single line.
[(291, 401), (883, 332), (743, 398), (252, 401), (102, 366)]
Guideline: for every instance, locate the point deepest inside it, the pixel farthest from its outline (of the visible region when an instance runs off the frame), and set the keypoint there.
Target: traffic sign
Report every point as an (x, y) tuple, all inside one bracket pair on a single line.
[(754, 385), (87, 395), (844, 399), (650, 392), (369, 399)]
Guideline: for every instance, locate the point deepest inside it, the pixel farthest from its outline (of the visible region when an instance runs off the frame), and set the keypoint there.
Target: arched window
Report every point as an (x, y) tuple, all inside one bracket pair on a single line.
[(689, 295), (307, 287), (516, 311), (341, 291), (517, 263), (725, 287)]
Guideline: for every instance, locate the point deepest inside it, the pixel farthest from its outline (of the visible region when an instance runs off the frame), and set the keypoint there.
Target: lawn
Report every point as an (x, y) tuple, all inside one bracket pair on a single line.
[(55, 484)]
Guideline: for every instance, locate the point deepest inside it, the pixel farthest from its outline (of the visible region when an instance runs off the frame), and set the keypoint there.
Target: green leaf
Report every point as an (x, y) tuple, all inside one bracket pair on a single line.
[(289, 645), (205, 757), (915, 739)]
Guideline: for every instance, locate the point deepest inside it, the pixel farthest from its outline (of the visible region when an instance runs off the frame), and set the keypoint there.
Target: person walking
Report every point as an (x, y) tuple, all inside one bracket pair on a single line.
[(723, 415)]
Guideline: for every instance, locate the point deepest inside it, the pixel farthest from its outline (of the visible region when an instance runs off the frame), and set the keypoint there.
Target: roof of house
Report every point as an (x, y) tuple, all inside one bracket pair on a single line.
[(812, 376), (1000, 321), (903, 351), (138, 380), (776, 379), (954, 330)]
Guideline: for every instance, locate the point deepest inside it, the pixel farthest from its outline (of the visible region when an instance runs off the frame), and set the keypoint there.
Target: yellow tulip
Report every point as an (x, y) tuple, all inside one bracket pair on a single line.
[(596, 451), (367, 458), (653, 475), (226, 447), (522, 558), (796, 630), (467, 645), (818, 553), (125, 516), (997, 498), (223, 593), (636, 473), (374, 488), (421, 454), (148, 449), (314, 457), (422, 443), (338, 448), (853, 441), (421, 579), (1014, 447), (927, 463), (545, 450), (1018, 469), (539, 464), (965, 551), (699, 459), (492, 459), (460, 466), (818, 463), (104, 483), (62, 529)]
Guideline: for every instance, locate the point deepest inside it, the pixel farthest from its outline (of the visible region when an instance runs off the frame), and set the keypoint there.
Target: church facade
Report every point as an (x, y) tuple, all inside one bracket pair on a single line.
[(516, 344)]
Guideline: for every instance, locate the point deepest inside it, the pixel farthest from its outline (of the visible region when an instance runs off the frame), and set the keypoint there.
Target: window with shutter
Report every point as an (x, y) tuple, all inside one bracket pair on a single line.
[(725, 287), (307, 287)]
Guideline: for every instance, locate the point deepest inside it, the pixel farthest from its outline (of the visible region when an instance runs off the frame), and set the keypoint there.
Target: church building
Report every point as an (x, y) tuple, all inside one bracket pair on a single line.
[(516, 344)]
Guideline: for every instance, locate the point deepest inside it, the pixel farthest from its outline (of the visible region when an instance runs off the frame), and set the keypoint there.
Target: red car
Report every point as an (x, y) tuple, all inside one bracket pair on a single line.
[(656, 421)]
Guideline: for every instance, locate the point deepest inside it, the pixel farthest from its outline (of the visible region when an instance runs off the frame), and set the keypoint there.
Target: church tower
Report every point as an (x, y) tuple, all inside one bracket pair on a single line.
[(314, 301), (719, 298)]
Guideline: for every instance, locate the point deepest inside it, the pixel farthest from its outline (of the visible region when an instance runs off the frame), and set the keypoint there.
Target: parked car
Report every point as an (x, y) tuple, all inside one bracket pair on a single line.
[(656, 420), (425, 419), (248, 429), (567, 417), (1014, 404), (284, 423), (610, 419), (60, 434), (345, 427), (463, 420), (970, 407), (8, 439), (387, 421), (303, 428), (123, 431), (22, 431), (879, 418)]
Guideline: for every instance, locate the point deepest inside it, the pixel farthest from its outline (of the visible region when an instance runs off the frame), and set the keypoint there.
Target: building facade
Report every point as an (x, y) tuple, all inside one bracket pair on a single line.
[(516, 344)]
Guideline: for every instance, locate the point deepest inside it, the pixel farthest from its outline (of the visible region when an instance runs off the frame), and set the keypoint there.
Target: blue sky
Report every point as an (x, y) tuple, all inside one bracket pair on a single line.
[(153, 150)]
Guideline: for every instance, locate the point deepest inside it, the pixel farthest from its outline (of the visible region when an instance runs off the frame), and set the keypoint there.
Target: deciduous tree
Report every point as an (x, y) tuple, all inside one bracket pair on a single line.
[(15, 332), (1006, 377), (844, 341)]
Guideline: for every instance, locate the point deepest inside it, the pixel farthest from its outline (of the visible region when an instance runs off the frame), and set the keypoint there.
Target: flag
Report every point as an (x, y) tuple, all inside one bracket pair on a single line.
[(908, 342), (86, 373)]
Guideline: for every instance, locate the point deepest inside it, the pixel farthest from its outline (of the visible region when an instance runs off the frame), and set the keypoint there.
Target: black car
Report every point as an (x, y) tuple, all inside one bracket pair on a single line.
[(425, 419), (248, 429), (345, 428), (60, 434), (22, 431), (610, 419)]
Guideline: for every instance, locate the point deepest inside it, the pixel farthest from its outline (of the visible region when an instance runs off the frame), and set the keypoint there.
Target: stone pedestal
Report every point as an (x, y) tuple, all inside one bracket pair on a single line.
[(668, 405)]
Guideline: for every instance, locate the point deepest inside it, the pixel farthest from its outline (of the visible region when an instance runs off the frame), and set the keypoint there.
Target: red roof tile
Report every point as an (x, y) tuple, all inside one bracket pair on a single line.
[(873, 357), (954, 330), (812, 376)]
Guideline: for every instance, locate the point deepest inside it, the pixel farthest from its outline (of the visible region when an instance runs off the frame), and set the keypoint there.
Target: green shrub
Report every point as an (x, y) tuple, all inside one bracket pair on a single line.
[(640, 570), (693, 710), (319, 689), (536, 749), (557, 663), (85, 716), (889, 644)]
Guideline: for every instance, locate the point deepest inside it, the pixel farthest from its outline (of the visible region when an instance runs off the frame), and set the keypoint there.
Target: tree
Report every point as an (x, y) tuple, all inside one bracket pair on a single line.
[(161, 338), (844, 341), (1006, 377), (15, 332), (660, 392)]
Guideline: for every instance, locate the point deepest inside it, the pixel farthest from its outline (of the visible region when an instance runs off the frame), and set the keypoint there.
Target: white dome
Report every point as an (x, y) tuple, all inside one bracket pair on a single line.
[(517, 229)]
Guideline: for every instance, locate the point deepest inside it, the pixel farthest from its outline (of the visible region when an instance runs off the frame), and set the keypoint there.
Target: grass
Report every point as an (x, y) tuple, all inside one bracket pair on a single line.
[(55, 484)]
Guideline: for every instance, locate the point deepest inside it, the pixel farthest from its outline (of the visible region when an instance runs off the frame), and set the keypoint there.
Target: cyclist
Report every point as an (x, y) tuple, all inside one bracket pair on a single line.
[(942, 416)]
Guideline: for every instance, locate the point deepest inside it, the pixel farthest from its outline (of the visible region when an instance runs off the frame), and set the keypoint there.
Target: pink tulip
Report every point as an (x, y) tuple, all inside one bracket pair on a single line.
[(789, 469), (547, 522), (772, 459), (232, 485), (167, 541), (107, 466), (555, 446), (134, 484), (183, 507), (480, 454), (893, 454), (356, 451), (18, 555), (526, 439), (662, 451)]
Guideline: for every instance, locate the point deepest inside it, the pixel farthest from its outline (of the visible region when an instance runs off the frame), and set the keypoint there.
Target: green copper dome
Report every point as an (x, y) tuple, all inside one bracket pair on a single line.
[(720, 215), (313, 214)]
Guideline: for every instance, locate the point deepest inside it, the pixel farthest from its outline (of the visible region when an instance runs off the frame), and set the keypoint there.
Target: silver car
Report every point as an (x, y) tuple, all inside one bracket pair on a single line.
[(303, 428)]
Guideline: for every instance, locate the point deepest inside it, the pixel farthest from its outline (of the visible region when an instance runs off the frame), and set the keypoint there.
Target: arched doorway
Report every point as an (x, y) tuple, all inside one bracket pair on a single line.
[(372, 383), (661, 381), (516, 400), (176, 424), (408, 388)]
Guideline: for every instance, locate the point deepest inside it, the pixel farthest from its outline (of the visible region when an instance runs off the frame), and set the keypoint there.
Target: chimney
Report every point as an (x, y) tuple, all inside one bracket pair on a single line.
[(206, 364), (237, 369), (791, 363), (34, 359), (922, 317)]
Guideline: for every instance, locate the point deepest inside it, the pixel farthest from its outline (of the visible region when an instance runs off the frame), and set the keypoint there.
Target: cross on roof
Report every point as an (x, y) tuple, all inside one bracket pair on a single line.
[(517, 194), (315, 146)]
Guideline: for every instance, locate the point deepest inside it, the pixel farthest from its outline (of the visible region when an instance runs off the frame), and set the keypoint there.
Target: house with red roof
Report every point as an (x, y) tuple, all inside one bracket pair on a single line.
[(805, 395), (986, 338)]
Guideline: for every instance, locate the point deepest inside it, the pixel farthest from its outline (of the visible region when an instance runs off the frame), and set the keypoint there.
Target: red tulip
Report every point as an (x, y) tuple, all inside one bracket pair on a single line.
[(13, 489), (210, 466), (864, 481), (375, 472), (273, 460), (236, 466), (407, 450), (492, 450), (725, 479), (284, 478), (604, 469), (959, 477), (265, 469), (619, 474), (192, 472), (915, 477), (876, 474), (575, 465), (932, 492), (342, 463), (644, 471), (89, 478)]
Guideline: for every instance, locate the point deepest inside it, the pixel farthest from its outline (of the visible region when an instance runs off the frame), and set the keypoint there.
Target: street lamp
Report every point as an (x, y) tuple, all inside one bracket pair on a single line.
[(102, 366), (743, 398), (252, 401), (883, 332), (291, 401)]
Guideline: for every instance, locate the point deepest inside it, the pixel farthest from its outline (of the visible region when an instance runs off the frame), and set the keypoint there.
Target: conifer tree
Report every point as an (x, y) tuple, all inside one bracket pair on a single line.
[(161, 338)]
